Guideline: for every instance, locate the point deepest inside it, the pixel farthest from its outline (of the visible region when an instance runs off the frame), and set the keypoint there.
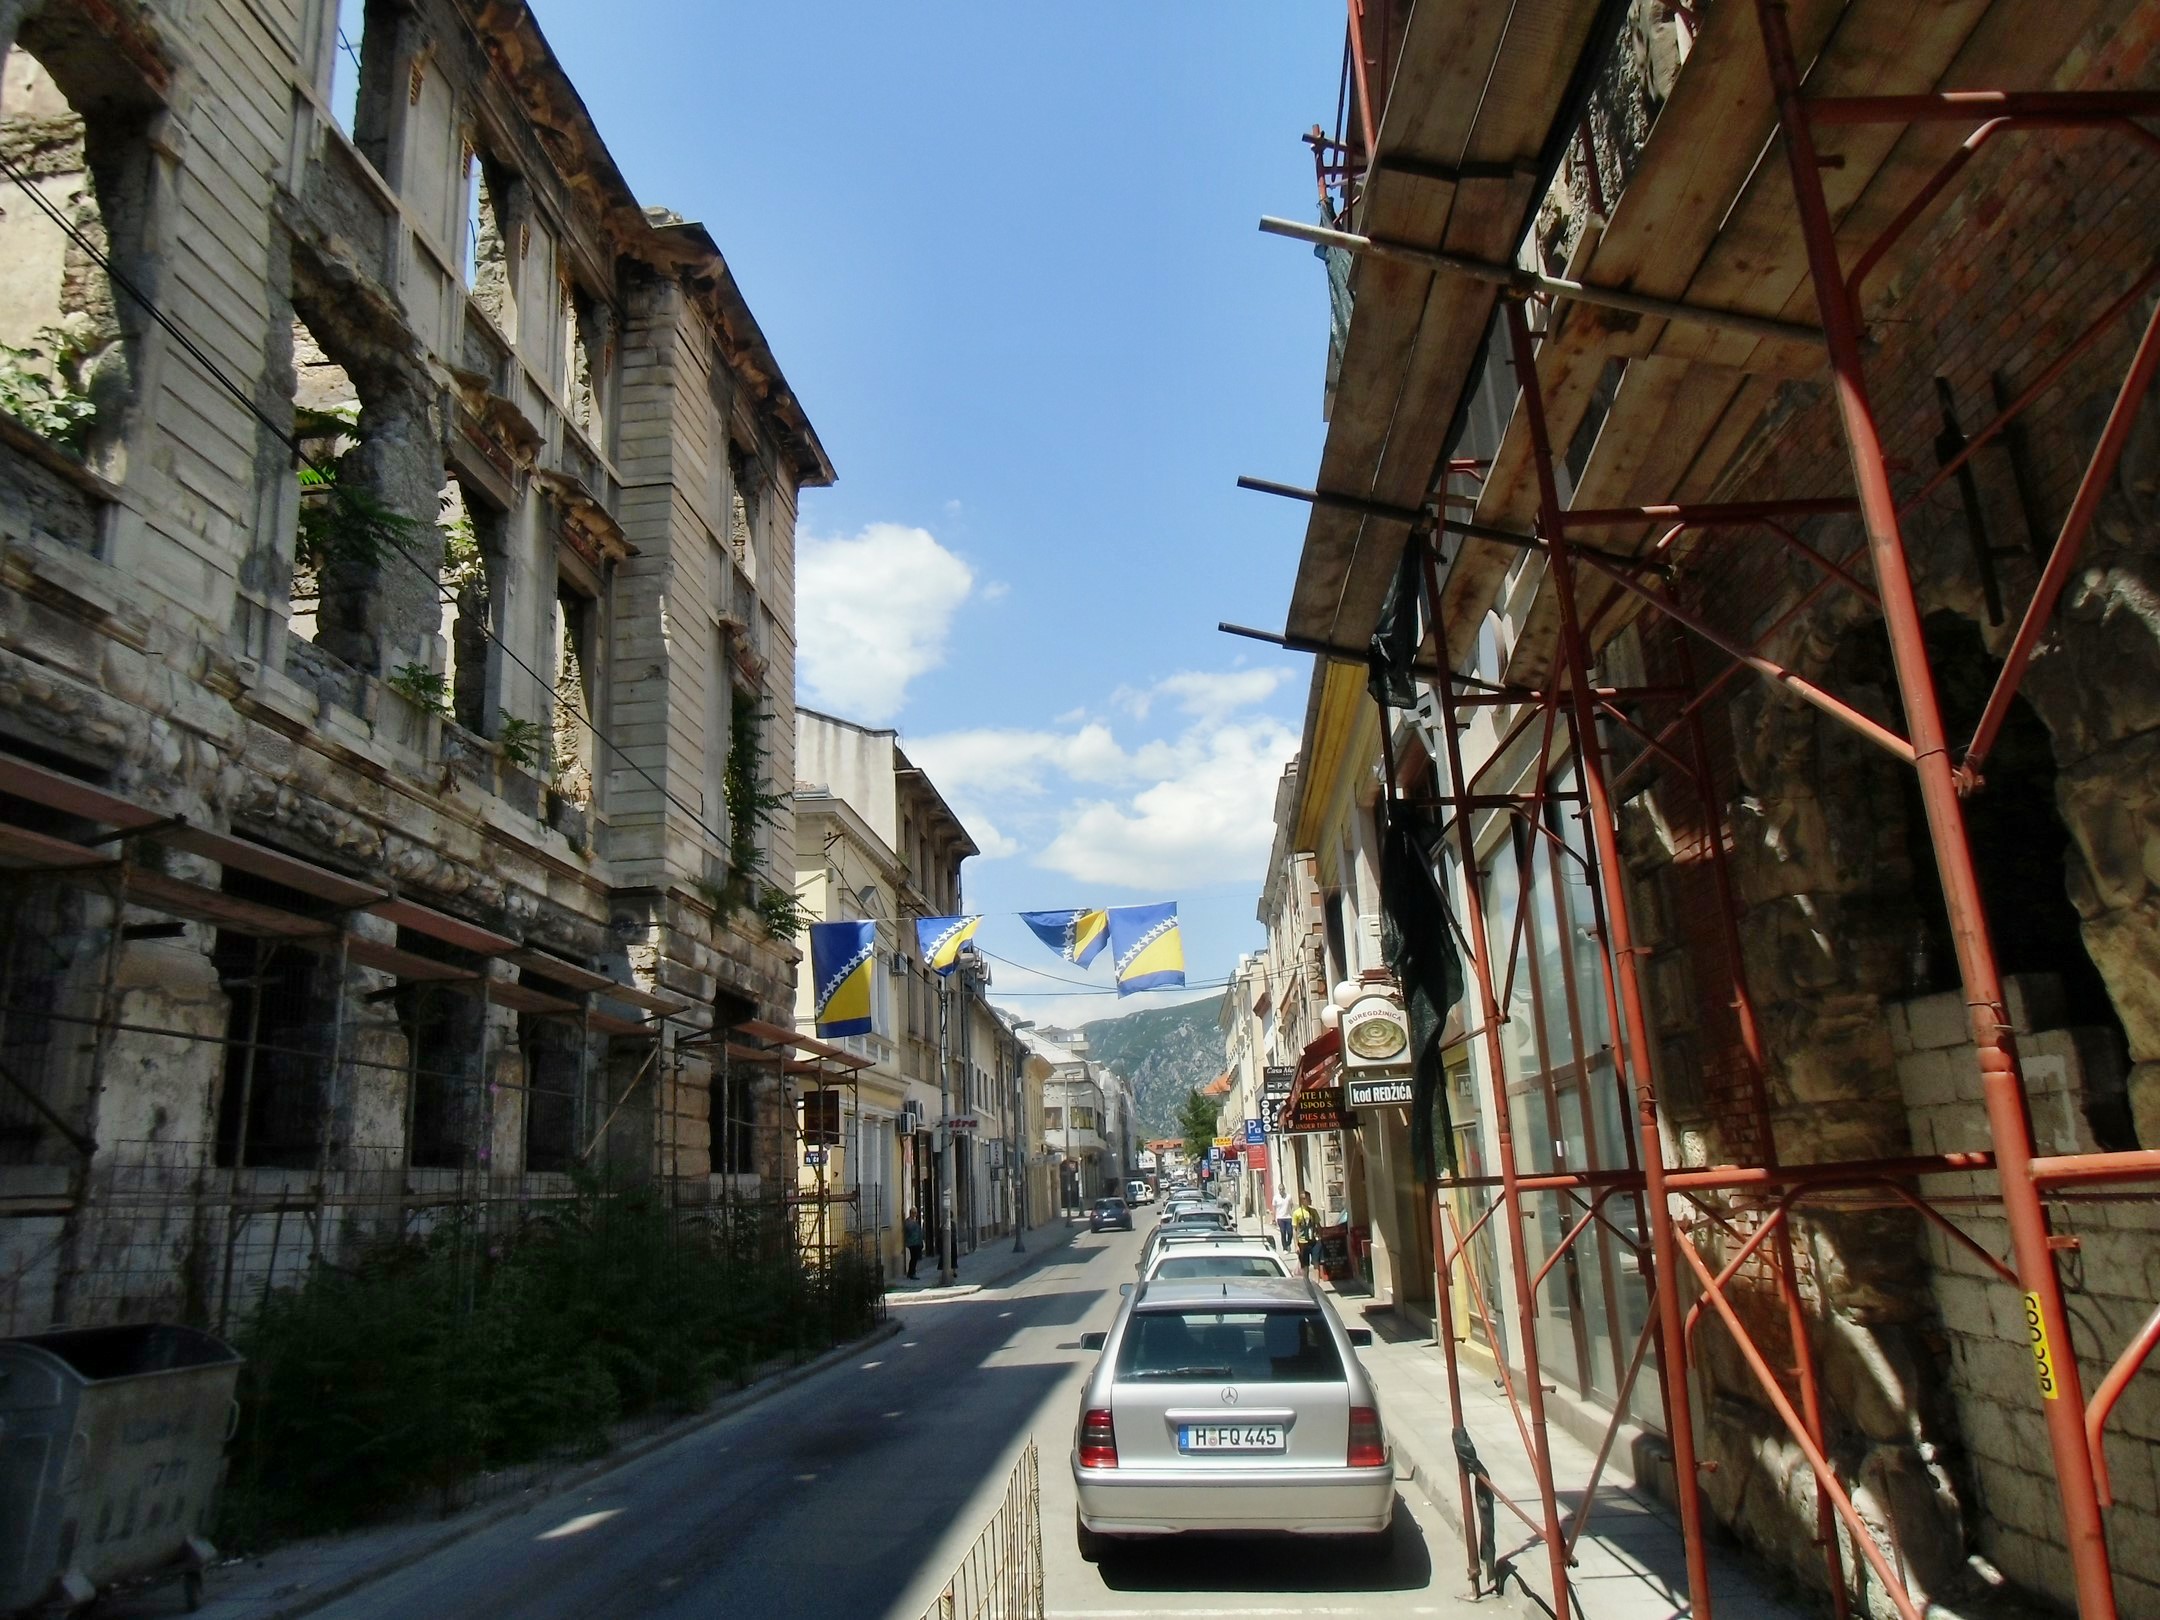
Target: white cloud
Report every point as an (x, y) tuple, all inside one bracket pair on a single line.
[(996, 591), (1210, 694), (875, 611), (1210, 820)]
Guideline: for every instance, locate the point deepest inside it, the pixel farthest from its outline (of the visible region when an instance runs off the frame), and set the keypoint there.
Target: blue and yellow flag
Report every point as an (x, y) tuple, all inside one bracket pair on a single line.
[(940, 939), (1078, 936), (1146, 952), (843, 970)]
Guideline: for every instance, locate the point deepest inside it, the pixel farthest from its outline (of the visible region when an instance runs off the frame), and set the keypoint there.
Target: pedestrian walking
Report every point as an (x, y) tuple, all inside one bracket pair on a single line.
[(1305, 1231), (911, 1233), (1282, 1218)]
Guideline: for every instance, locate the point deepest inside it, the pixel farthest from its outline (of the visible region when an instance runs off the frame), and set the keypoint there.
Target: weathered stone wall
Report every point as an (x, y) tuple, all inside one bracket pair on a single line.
[(2112, 1279), (144, 631), (1838, 918)]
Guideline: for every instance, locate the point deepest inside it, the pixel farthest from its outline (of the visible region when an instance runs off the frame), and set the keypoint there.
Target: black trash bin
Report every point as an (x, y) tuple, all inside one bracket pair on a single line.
[(112, 1446)]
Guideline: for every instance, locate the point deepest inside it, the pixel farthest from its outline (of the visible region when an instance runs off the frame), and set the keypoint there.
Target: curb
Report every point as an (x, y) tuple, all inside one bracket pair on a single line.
[(1028, 1259), (571, 1478)]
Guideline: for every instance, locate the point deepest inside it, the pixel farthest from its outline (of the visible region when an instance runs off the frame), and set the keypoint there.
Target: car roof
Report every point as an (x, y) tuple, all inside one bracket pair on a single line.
[(1256, 1293)]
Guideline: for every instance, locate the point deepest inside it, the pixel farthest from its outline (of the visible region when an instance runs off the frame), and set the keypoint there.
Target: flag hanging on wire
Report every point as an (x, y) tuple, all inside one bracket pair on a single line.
[(843, 969), (1146, 951), (1078, 936), (940, 939)]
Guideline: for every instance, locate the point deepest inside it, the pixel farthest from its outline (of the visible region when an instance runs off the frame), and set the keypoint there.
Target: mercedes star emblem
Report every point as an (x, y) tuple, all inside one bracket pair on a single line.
[(1229, 1397)]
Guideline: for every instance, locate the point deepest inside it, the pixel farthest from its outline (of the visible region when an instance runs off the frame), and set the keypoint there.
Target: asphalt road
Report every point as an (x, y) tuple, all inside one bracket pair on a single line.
[(855, 1493)]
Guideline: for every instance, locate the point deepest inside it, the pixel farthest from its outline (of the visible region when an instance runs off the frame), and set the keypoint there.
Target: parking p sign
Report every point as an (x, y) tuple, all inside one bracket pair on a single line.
[(1255, 1132)]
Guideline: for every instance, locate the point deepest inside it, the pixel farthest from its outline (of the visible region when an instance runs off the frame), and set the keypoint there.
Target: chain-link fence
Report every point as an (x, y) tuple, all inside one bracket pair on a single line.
[(1001, 1578)]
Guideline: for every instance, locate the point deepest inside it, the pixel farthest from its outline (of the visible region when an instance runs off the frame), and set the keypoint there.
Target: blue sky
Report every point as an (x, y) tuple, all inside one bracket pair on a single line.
[(1007, 257)]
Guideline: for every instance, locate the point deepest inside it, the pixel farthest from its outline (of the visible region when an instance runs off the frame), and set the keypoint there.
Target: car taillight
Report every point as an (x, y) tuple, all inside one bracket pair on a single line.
[(1368, 1446), (1098, 1439)]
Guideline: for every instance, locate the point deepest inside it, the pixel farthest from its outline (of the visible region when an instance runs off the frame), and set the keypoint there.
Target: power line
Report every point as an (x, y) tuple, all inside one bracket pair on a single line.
[(291, 440)]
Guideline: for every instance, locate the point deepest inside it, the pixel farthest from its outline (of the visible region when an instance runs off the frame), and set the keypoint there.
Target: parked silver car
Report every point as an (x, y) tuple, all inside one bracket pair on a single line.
[(1207, 1221), (1226, 1256), (1230, 1404)]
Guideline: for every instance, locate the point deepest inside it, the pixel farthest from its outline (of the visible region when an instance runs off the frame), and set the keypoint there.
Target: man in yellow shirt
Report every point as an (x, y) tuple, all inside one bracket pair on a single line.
[(1305, 1232)]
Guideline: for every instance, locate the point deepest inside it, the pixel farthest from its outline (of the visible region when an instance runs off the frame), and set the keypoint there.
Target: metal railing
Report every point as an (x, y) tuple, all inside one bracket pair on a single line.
[(1001, 1578)]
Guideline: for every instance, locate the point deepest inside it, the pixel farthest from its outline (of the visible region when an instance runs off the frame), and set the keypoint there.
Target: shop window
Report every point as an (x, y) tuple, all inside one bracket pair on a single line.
[(66, 335)]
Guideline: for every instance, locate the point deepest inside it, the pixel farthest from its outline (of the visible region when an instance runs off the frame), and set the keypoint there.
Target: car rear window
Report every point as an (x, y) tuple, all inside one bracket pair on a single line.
[(1248, 1347), (1219, 1265)]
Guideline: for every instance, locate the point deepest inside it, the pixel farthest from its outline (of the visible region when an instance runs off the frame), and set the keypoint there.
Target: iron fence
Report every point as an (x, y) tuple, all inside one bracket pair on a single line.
[(1001, 1578)]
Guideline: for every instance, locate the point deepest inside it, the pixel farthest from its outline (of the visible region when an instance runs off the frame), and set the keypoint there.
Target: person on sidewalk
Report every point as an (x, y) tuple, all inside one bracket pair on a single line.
[(1305, 1231), (911, 1234), (1282, 1217)]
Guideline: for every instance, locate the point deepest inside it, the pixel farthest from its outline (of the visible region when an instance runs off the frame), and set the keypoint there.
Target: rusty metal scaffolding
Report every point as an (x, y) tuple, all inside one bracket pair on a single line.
[(129, 1228), (1754, 1202)]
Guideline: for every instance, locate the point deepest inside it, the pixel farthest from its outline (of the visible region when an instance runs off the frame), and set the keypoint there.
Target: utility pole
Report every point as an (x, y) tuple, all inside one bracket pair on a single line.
[(1016, 1163), (944, 1138)]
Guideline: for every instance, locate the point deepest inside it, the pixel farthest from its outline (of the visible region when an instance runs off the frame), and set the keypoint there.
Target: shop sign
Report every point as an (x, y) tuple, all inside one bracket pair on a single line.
[(1277, 1079), (1316, 1108), (1376, 1036), (1381, 1093), (1224, 1143), (1257, 1157), (963, 1124)]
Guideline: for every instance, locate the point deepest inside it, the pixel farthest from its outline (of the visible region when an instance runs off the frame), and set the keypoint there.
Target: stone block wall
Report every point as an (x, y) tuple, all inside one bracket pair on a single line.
[(150, 641), (2112, 1280)]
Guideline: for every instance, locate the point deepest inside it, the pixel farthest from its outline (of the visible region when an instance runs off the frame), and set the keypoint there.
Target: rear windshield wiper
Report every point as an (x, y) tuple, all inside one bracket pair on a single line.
[(1179, 1372)]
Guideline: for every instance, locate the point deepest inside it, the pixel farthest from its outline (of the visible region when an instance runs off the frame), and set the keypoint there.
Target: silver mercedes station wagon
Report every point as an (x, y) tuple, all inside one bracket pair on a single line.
[(1230, 1404)]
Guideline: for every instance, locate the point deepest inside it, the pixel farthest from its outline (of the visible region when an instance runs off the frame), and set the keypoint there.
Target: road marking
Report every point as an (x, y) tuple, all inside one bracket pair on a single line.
[(1226, 1614), (578, 1525)]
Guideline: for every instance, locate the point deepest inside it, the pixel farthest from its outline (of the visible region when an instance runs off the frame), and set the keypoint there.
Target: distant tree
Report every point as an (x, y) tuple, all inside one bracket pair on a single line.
[(1196, 1123)]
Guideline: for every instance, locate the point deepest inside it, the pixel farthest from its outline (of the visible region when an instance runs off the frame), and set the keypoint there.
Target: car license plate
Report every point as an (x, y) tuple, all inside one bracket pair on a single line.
[(1230, 1437)]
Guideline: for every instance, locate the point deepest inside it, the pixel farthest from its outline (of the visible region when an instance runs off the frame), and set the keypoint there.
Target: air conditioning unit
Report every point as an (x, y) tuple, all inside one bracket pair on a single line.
[(911, 1118)]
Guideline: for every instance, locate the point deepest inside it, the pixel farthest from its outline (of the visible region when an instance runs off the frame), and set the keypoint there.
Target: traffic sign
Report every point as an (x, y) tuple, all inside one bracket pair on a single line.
[(1255, 1131)]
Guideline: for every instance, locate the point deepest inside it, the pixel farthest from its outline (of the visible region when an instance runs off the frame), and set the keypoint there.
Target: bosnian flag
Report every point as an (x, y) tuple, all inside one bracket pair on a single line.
[(1146, 950)]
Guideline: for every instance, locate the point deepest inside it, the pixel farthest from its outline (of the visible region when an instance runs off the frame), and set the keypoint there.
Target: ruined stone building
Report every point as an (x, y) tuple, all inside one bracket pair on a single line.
[(396, 650), (1809, 1045)]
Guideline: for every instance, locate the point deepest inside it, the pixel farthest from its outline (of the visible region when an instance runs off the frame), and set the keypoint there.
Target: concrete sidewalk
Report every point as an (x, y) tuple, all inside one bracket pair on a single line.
[(302, 1576), (1630, 1563), (991, 1263)]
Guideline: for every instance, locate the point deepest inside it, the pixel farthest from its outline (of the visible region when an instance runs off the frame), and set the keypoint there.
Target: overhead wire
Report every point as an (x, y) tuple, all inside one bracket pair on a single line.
[(292, 441)]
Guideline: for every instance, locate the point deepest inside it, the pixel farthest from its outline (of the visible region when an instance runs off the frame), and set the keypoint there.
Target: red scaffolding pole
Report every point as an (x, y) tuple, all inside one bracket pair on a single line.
[(1677, 1204)]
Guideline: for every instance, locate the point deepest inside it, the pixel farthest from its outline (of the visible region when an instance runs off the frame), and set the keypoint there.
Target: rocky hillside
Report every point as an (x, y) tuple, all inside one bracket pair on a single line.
[(1165, 1052)]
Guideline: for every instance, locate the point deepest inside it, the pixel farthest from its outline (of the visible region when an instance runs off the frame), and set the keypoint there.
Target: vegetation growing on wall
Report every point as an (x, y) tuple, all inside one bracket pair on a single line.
[(752, 808), (46, 387)]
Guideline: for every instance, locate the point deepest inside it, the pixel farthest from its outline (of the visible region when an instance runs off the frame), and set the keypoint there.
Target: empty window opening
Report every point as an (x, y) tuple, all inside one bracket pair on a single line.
[(589, 352), (326, 417), (345, 48), (472, 559), (487, 248), (554, 1084), (446, 1105), (576, 621), (280, 1024), (743, 504), (64, 338), (734, 1150)]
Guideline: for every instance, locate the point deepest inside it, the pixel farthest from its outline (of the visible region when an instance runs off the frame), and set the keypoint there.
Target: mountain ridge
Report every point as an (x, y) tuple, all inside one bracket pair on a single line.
[(1165, 1052)]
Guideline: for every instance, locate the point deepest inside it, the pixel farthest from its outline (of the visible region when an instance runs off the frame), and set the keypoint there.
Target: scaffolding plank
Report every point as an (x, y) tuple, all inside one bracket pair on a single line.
[(258, 860), (525, 999), (441, 926), (609, 1024), (72, 797), (23, 849), (637, 996), (180, 898), (553, 967), (386, 958)]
